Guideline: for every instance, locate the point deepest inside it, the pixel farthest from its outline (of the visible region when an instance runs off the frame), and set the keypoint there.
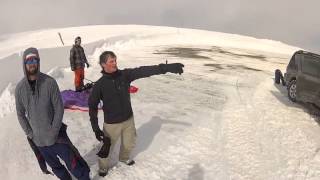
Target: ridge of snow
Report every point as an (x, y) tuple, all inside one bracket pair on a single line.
[(49, 38)]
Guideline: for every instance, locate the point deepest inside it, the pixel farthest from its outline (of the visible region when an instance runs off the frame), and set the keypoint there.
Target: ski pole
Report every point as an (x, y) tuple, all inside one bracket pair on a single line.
[(61, 38)]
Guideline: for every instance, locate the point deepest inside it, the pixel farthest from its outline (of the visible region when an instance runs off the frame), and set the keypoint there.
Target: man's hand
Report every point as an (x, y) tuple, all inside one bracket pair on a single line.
[(173, 68), (99, 134), (104, 151)]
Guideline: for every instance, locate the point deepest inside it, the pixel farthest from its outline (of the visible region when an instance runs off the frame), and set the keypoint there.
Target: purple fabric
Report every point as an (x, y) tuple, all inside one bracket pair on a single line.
[(79, 100), (71, 98)]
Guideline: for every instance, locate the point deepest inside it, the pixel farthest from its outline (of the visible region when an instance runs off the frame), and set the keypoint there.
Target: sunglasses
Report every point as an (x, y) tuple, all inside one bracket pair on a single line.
[(31, 61)]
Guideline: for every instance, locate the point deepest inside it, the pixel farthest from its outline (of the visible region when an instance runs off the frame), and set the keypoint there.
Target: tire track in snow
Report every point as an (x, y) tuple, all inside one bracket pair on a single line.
[(268, 139), (294, 148), (240, 126)]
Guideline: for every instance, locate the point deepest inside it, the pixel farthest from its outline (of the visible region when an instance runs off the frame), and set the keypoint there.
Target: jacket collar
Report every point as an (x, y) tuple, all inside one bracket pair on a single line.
[(111, 75)]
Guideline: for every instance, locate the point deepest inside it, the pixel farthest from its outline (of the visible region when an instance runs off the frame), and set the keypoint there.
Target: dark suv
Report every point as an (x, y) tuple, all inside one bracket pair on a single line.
[(303, 77)]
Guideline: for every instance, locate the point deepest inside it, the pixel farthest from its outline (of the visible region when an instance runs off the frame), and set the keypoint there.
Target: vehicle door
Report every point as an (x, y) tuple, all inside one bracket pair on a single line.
[(308, 79)]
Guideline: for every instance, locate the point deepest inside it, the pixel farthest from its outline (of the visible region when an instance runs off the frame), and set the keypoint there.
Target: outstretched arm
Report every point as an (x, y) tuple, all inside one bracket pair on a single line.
[(146, 71)]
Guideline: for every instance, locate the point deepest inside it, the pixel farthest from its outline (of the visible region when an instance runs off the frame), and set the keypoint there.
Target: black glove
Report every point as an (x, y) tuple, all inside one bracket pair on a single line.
[(104, 151), (88, 65), (173, 68), (99, 134)]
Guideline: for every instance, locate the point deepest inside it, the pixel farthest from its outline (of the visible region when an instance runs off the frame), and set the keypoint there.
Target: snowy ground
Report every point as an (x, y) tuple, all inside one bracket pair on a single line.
[(224, 118)]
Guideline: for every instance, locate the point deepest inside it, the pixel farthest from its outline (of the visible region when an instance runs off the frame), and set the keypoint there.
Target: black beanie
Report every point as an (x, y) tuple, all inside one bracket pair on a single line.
[(77, 38)]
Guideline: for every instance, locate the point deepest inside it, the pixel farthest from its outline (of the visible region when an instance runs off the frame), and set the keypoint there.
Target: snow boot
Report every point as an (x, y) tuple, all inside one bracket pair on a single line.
[(128, 162), (103, 174)]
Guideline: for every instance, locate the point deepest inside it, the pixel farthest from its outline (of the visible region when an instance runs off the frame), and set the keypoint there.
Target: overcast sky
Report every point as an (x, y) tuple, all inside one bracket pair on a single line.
[(292, 22)]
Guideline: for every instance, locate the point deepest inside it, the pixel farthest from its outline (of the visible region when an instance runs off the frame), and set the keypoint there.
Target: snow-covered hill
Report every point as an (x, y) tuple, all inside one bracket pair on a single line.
[(222, 119)]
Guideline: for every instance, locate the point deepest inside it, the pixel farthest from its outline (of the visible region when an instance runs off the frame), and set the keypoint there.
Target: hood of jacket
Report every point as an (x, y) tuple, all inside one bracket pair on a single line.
[(30, 52)]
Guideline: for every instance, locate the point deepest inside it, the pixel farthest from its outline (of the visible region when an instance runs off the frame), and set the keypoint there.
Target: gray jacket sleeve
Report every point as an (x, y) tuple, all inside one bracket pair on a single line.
[(21, 113), (57, 104)]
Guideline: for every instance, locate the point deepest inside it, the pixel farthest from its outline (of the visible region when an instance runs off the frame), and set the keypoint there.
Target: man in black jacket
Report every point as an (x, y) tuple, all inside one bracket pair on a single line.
[(113, 89), (77, 61)]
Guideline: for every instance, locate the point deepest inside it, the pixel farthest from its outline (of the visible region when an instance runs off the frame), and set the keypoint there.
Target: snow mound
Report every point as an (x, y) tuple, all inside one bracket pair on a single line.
[(56, 73), (7, 104)]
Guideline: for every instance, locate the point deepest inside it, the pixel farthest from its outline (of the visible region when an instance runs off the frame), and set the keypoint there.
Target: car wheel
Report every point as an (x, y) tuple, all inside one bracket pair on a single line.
[(277, 73), (292, 90)]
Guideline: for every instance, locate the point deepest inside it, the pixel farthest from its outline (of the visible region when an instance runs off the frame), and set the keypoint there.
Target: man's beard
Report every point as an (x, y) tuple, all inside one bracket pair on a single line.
[(32, 72)]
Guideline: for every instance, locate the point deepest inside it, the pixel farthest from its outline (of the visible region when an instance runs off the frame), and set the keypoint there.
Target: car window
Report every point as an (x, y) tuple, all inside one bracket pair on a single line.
[(292, 63), (311, 66)]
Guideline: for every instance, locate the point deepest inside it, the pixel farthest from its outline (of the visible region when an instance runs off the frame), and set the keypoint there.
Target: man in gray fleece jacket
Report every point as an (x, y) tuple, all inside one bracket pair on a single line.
[(40, 112)]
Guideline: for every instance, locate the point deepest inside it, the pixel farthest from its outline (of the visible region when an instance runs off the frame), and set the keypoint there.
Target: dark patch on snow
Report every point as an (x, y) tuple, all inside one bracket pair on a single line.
[(218, 67), (246, 68), (194, 53), (183, 52), (222, 51), (215, 66)]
